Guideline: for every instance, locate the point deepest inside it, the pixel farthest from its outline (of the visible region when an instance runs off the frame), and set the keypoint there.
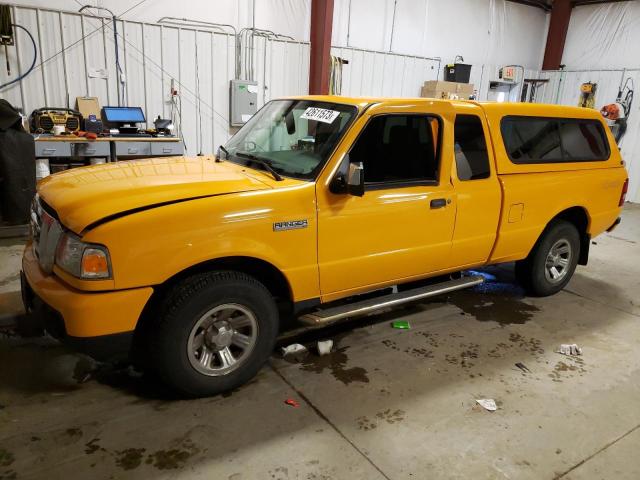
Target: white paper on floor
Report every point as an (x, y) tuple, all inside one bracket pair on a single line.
[(487, 404), (324, 347), (569, 349)]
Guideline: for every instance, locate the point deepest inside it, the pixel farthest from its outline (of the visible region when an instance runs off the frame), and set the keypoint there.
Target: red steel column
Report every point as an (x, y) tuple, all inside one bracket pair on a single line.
[(320, 61), (558, 26)]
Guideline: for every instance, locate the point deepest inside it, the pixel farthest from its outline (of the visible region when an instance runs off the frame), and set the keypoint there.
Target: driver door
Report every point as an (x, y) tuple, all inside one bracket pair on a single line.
[(402, 227)]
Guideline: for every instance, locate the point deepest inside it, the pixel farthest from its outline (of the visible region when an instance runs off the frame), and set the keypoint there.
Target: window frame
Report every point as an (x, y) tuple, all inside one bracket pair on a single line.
[(405, 183), (559, 121), (485, 132)]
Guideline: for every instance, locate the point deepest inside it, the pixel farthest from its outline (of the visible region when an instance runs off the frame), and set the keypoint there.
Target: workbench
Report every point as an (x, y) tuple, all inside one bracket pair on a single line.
[(111, 149)]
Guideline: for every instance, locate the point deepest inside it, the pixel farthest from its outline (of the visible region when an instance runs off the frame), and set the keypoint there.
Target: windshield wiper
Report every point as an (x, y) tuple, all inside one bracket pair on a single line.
[(262, 161), (225, 151)]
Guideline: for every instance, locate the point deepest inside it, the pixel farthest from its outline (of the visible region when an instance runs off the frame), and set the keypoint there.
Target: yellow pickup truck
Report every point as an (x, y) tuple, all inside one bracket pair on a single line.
[(188, 264)]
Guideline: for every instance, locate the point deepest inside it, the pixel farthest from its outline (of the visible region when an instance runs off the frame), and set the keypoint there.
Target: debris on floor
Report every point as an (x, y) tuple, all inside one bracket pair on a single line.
[(294, 352), (488, 404), (523, 367), (291, 402), (324, 347), (401, 324), (570, 349)]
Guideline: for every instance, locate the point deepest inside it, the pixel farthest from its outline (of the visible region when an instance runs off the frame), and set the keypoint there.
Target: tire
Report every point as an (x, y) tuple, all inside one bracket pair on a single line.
[(203, 321), (558, 248)]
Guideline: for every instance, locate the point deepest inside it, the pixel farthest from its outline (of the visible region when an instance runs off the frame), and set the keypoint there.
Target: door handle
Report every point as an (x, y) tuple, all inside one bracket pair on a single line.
[(438, 203)]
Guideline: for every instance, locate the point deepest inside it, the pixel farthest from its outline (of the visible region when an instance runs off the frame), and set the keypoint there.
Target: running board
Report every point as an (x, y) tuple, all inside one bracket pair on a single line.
[(330, 315)]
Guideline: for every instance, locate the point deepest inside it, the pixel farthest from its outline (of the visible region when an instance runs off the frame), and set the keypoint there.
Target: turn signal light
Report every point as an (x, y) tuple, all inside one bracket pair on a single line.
[(94, 264)]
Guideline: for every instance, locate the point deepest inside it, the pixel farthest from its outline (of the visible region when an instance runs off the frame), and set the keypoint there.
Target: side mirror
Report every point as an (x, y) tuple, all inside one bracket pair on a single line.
[(355, 179), (349, 178)]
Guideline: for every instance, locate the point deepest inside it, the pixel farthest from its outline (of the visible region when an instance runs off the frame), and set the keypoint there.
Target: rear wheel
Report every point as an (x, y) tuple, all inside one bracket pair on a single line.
[(214, 333), (551, 264)]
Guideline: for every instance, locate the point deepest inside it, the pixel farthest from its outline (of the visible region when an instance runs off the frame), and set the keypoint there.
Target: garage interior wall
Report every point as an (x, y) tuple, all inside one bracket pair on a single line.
[(601, 48), (393, 46), (394, 60)]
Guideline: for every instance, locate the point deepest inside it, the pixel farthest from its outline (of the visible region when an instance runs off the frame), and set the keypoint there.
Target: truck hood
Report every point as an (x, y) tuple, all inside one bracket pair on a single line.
[(83, 196)]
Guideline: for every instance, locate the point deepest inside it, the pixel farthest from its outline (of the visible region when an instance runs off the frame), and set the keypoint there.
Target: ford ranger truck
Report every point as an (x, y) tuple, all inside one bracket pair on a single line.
[(187, 265)]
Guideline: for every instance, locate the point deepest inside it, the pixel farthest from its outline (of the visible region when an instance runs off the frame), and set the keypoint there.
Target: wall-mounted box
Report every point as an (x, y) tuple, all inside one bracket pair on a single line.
[(243, 101)]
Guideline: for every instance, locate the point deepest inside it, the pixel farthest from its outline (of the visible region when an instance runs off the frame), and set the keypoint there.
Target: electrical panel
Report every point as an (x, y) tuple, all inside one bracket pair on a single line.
[(243, 101)]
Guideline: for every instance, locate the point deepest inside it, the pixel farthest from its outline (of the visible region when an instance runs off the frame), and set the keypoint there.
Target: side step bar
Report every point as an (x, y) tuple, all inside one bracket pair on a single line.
[(330, 315)]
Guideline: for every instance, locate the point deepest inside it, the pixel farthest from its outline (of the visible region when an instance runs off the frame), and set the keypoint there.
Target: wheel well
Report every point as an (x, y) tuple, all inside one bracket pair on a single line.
[(266, 273), (578, 216)]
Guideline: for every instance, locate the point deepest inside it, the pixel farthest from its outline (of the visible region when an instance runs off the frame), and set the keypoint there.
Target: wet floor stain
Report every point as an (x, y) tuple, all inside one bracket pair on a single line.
[(431, 338), (8, 475), (568, 369), (365, 424), (419, 352), (390, 416), (531, 344), (279, 473), (73, 432), (467, 356), (130, 458), (92, 446), (494, 300), (175, 458), (172, 459), (6, 458), (336, 363)]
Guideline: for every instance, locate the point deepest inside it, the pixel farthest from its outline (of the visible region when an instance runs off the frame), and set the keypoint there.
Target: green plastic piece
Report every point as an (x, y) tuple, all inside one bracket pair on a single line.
[(401, 324)]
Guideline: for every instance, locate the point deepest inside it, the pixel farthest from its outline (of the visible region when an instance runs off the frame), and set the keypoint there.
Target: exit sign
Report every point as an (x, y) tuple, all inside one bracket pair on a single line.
[(508, 73)]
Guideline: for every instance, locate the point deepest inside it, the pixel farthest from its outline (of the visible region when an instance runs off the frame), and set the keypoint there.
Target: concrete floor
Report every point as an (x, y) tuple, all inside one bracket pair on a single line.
[(387, 404)]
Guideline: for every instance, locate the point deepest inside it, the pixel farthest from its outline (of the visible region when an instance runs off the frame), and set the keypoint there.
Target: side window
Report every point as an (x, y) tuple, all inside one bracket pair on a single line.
[(532, 140), (398, 148), (554, 140), (583, 141), (472, 159)]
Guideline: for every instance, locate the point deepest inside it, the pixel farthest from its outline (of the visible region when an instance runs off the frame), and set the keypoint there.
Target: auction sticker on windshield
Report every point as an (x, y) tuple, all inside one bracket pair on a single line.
[(320, 114)]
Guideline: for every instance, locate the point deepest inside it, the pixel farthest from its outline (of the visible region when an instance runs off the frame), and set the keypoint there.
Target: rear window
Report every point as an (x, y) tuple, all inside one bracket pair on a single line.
[(554, 140)]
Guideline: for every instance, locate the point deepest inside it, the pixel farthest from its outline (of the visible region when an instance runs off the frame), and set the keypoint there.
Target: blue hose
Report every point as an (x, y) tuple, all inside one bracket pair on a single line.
[(33, 64)]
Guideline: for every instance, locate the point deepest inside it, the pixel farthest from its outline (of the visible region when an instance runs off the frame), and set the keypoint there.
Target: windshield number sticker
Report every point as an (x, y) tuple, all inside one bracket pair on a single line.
[(320, 114)]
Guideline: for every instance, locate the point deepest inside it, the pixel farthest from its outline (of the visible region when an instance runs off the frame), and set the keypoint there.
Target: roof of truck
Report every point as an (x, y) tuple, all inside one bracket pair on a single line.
[(504, 108)]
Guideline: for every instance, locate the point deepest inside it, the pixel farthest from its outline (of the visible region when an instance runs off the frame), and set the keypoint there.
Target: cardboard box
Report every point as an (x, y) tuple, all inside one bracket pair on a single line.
[(447, 90), (88, 106)]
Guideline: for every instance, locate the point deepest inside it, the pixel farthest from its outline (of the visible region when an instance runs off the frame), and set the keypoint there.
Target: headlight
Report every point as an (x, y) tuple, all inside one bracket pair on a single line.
[(82, 260)]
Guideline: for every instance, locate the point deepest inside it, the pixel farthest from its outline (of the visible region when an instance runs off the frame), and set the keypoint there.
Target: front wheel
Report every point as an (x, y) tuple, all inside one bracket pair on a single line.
[(215, 332), (551, 264)]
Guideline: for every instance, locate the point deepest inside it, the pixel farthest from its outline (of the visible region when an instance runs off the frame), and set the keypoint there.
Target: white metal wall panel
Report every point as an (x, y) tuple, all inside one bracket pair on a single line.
[(32, 84), (153, 87), (71, 46), (371, 73)]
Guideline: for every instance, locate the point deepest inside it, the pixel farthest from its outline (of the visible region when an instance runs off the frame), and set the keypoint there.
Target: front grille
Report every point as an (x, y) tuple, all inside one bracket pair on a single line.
[(46, 231)]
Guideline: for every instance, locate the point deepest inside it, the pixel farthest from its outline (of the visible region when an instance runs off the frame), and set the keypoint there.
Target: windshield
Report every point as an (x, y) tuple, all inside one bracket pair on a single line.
[(294, 137)]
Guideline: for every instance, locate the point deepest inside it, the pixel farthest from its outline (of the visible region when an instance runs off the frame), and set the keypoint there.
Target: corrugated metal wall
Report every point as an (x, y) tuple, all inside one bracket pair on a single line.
[(77, 58), (384, 74), (74, 52)]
